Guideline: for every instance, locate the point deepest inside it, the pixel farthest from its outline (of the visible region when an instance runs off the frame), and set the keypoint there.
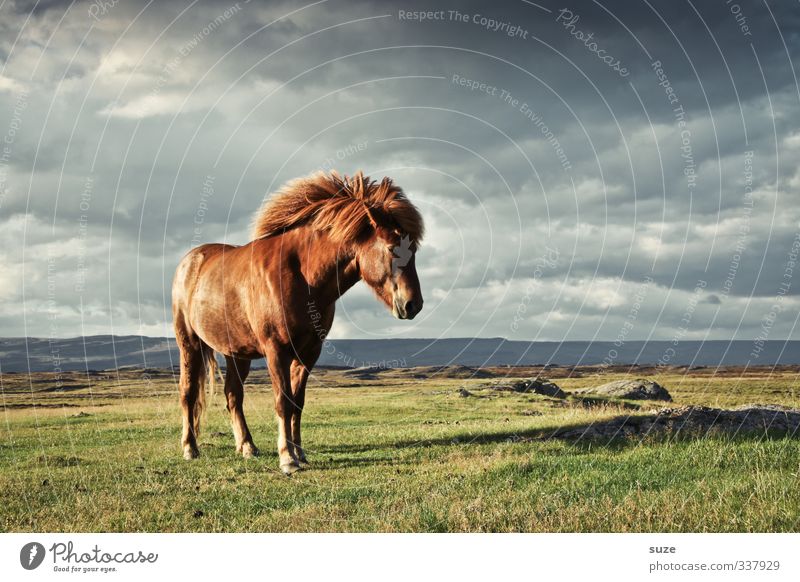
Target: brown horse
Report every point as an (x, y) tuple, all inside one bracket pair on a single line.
[(275, 296)]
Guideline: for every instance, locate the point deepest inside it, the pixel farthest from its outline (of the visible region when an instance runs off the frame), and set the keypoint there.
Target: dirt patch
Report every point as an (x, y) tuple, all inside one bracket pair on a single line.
[(58, 461)]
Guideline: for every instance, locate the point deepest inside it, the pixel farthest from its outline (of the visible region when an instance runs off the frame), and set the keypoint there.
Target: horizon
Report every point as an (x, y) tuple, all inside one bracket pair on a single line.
[(135, 351)]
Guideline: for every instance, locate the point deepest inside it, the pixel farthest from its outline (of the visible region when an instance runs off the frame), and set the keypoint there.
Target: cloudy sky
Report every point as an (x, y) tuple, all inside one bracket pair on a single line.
[(587, 170)]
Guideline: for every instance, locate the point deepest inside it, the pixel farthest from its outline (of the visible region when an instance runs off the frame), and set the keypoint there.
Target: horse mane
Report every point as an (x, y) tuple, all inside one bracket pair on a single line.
[(346, 207)]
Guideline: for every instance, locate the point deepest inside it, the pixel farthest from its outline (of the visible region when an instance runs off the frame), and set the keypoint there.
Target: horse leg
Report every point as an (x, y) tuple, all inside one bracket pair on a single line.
[(299, 378), (300, 370), (191, 383), (279, 372), (237, 372)]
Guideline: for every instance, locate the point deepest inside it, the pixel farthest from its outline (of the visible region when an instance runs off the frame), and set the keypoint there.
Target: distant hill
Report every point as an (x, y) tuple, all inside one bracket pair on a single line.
[(101, 352)]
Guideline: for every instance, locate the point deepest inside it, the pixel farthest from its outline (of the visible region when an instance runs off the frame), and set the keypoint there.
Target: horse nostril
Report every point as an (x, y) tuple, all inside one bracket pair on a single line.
[(410, 308)]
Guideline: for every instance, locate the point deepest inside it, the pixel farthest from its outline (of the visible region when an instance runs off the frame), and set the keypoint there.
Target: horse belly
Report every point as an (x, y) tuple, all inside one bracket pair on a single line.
[(223, 326)]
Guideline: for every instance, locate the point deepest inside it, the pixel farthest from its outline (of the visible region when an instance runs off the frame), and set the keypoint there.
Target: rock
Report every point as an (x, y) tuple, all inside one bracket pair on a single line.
[(545, 387), (464, 393), (630, 389), (693, 421), (534, 386)]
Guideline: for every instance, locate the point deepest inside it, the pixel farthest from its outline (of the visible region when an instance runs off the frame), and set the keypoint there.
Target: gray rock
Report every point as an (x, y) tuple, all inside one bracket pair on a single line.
[(638, 389), (534, 386)]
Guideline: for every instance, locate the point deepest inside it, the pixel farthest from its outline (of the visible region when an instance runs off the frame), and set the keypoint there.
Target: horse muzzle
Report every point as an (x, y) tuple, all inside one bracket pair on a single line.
[(406, 309)]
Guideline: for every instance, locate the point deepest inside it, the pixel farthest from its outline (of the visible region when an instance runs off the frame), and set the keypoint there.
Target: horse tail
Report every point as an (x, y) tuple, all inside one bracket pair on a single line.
[(208, 373)]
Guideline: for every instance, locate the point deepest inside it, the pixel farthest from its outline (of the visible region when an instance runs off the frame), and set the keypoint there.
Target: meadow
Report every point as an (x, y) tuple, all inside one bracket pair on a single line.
[(398, 450)]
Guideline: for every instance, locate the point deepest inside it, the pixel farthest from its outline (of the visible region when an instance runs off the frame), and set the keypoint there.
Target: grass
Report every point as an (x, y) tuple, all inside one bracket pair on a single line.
[(101, 453)]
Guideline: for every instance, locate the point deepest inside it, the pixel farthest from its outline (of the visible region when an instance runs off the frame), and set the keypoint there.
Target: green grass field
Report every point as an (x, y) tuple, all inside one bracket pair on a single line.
[(101, 453)]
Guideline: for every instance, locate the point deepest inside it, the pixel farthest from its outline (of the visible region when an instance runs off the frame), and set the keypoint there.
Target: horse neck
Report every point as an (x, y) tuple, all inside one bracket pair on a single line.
[(328, 269)]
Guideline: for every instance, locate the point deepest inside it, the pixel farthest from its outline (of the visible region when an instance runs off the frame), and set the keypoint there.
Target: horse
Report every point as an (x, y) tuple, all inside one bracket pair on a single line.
[(275, 296)]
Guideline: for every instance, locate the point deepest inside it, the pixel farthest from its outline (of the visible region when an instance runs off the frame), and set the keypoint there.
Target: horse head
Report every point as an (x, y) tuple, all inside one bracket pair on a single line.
[(387, 263)]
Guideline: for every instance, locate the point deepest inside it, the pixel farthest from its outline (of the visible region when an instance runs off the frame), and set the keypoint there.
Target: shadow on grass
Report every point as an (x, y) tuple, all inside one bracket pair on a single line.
[(690, 423)]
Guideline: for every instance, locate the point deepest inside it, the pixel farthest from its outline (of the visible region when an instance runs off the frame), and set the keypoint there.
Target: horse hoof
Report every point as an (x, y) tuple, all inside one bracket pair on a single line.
[(304, 464), (249, 451), (290, 469), (190, 453)]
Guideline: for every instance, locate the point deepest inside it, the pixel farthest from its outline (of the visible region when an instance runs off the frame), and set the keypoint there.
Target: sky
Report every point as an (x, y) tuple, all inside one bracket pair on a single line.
[(586, 170)]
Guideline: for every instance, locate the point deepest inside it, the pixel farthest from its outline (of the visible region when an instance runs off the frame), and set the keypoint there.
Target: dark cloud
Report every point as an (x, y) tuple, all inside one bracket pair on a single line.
[(518, 148)]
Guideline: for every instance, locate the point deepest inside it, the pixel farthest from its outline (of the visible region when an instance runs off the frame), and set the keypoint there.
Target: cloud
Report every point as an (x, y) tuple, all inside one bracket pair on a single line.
[(678, 179), (11, 85)]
